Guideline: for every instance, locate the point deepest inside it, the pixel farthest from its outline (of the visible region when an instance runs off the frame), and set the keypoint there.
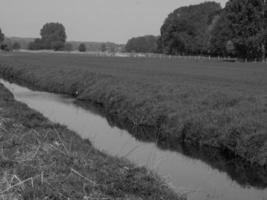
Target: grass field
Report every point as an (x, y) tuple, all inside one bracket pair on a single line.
[(43, 160), (217, 104)]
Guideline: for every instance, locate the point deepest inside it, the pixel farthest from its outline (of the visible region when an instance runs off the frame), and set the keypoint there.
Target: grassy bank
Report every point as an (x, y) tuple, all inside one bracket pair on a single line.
[(43, 160), (222, 105)]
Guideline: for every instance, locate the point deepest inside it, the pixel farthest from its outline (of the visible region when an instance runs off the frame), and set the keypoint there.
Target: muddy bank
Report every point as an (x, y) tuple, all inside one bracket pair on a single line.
[(228, 121), (43, 160)]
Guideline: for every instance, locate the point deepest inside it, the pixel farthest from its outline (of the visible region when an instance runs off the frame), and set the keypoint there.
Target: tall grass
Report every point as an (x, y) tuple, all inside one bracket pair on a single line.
[(43, 160), (217, 104)]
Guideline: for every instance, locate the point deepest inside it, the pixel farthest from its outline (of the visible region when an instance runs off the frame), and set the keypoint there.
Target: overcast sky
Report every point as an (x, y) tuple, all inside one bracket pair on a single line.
[(89, 20)]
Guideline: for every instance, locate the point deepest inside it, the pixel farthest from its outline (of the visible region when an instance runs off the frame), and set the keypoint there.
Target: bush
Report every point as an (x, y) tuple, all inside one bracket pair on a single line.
[(16, 46), (58, 45), (82, 47), (68, 47)]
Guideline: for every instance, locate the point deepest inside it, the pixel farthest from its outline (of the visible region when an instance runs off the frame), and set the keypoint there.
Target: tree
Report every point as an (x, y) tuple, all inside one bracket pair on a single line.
[(144, 44), (2, 36), (16, 45), (103, 47), (82, 47), (220, 35), (4, 47), (243, 22), (68, 47), (7, 45), (37, 44), (53, 36), (187, 29), (57, 45)]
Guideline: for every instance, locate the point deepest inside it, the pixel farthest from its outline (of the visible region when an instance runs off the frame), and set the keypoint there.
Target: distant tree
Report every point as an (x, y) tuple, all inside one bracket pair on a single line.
[(144, 44), (68, 47), (187, 29), (112, 49), (31, 46), (16, 46), (57, 45), (103, 47), (53, 36), (4, 47), (2, 36), (82, 47), (37, 44), (7, 45)]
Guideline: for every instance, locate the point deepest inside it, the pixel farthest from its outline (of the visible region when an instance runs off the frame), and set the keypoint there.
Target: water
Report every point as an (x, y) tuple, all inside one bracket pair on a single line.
[(202, 174)]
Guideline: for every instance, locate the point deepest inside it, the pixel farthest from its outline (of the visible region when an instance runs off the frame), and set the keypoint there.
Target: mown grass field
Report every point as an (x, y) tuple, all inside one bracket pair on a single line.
[(43, 160), (210, 103)]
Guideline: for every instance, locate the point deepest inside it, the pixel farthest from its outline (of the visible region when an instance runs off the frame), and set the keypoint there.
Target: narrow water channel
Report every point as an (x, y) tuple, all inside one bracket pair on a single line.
[(202, 174)]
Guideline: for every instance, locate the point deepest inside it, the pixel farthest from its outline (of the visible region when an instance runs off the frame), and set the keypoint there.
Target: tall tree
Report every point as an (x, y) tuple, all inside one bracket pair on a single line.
[(2, 36), (220, 36), (264, 30), (244, 24), (187, 29), (53, 36)]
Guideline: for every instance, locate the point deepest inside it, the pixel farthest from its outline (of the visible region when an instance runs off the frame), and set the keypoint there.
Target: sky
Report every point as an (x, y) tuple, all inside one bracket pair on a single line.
[(89, 20)]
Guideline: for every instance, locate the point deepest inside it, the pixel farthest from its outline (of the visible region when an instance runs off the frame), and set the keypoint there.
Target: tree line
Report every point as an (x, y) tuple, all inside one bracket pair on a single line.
[(238, 30), (144, 44), (53, 37), (4, 45)]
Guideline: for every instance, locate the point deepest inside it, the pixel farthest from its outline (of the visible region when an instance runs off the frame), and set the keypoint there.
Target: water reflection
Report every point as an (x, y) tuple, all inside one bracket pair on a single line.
[(237, 169)]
